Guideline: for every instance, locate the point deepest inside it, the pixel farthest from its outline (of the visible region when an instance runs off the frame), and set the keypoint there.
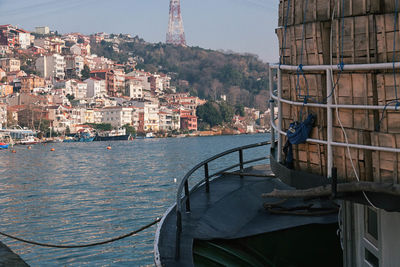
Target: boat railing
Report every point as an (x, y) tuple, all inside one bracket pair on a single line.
[(184, 185), (277, 99)]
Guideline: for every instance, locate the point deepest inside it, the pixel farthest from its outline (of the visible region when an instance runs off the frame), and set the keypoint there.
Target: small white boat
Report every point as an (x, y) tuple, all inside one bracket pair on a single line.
[(150, 135), (28, 140)]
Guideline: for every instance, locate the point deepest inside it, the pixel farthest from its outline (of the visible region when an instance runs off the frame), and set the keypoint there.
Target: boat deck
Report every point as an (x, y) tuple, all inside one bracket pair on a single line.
[(232, 209), (9, 258)]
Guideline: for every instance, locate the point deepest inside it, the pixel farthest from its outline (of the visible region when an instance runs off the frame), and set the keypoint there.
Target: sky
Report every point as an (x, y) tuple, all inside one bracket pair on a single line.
[(244, 26)]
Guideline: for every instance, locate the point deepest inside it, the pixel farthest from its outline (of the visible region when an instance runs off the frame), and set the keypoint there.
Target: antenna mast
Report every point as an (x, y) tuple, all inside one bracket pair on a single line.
[(175, 34)]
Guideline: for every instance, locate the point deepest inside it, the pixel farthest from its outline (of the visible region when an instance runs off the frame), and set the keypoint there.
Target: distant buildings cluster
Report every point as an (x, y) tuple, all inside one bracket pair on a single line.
[(42, 78), (52, 77)]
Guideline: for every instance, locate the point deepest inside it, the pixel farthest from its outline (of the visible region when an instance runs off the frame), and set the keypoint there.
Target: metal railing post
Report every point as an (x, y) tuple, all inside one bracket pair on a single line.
[(279, 157), (207, 177), (178, 234), (329, 93), (187, 194), (271, 106), (241, 161)]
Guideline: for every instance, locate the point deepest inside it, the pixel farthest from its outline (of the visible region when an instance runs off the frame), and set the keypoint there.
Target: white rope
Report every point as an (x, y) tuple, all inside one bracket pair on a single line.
[(337, 110)]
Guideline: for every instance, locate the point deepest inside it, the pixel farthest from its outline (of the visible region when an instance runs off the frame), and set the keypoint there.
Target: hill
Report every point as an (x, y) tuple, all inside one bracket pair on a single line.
[(205, 73)]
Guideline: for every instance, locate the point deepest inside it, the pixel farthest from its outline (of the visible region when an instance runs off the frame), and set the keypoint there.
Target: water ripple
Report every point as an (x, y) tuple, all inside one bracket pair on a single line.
[(83, 193)]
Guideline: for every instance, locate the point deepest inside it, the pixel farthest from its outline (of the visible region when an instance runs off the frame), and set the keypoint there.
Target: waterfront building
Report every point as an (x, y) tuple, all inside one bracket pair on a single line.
[(4, 50), (169, 120), (24, 38), (151, 117), (10, 64), (5, 89), (188, 119), (74, 65), (97, 115), (133, 87), (80, 49), (43, 43), (2, 74), (42, 30), (50, 44), (51, 66), (108, 76), (3, 115), (143, 76), (138, 118), (59, 116), (29, 83), (12, 37), (117, 116), (96, 87)]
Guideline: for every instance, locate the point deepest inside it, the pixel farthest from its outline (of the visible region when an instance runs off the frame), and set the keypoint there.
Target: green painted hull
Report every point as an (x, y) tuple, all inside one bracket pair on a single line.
[(308, 245)]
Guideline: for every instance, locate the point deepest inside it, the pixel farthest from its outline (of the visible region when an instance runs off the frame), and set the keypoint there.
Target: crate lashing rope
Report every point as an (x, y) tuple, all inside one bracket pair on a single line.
[(300, 71), (282, 56), (396, 102), (340, 66)]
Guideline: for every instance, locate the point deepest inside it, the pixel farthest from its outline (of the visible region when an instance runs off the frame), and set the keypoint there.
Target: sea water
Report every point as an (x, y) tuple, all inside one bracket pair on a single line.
[(83, 193)]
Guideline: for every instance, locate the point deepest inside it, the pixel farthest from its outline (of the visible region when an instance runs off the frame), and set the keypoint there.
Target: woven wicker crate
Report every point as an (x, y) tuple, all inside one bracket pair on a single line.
[(304, 46), (354, 40), (321, 10), (386, 165), (385, 35)]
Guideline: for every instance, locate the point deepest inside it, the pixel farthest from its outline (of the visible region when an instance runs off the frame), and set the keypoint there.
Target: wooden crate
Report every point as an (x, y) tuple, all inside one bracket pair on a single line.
[(354, 88), (386, 88), (356, 43), (295, 87), (321, 10), (304, 47), (310, 158), (362, 159), (389, 121), (359, 7), (317, 10), (385, 35), (386, 165)]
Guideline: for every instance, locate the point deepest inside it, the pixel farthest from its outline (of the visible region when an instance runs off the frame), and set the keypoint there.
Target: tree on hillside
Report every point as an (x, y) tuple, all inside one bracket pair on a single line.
[(239, 110), (209, 113), (101, 126), (85, 72), (209, 73), (129, 129), (227, 111)]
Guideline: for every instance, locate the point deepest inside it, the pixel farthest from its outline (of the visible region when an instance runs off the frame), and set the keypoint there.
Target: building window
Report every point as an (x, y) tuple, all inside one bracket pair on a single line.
[(371, 259), (370, 241), (371, 225)]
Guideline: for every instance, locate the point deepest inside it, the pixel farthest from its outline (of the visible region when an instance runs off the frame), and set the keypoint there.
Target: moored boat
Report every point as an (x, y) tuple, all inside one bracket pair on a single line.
[(28, 140), (3, 145), (340, 67), (150, 135), (113, 138), (224, 221), (114, 135), (81, 137)]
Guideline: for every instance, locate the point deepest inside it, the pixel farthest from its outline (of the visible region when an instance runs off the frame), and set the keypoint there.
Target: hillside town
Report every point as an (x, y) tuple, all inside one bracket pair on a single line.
[(54, 80)]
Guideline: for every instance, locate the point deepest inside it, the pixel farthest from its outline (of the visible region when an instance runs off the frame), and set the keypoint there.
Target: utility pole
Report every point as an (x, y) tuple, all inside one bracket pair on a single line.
[(175, 34)]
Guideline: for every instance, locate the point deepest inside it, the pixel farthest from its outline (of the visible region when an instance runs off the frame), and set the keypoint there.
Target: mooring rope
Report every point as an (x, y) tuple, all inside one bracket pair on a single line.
[(84, 245)]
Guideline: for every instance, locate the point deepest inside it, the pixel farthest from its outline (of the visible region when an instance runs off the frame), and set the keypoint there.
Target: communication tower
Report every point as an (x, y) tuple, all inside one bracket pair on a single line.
[(175, 34)]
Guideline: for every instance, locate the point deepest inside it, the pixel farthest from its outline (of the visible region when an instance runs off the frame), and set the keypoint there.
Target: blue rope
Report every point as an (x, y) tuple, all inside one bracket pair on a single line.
[(396, 101), (284, 37), (341, 64), (300, 68)]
